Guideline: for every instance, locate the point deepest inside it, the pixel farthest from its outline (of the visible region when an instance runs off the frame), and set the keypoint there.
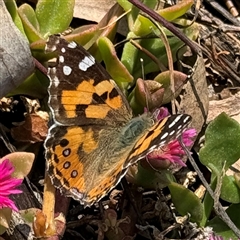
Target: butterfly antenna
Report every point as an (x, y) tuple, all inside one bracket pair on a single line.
[(142, 67), (143, 78)]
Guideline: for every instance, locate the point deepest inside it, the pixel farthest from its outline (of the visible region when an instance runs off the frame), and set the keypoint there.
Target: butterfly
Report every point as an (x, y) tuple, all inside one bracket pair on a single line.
[(95, 138)]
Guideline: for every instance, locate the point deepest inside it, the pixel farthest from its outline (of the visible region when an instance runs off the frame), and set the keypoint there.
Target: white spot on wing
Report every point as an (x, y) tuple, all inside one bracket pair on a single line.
[(87, 62), (61, 59), (72, 45), (66, 152), (55, 81), (164, 135), (154, 147), (63, 50), (171, 133), (175, 121), (186, 119), (67, 70)]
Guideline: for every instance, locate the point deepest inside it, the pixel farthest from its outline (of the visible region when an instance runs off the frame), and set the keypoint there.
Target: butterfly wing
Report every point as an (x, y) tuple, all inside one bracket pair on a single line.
[(86, 106), (158, 135), (86, 162), (94, 138), (81, 91)]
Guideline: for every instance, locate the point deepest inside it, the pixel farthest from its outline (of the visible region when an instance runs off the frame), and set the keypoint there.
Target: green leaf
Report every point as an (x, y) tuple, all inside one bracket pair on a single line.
[(54, 16), (164, 79), (131, 55), (34, 86), (150, 179), (143, 26), (189, 204), (221, 229), (176, 11), (134, 11), (222, 144), (12, 9), (230, 191), (30, 22), (29, 214), (113, 65), (85, 35), (221, 150), (146, 94)]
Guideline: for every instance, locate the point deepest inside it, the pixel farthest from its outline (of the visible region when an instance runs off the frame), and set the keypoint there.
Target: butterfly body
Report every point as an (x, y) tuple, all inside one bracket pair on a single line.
[(95, 137)]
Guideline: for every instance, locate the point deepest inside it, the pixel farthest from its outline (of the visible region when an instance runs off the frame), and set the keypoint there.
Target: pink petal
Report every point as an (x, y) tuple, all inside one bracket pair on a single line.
[(8, 185)]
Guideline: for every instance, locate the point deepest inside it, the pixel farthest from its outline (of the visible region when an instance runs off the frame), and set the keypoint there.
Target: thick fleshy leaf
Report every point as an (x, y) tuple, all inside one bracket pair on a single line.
[(85, 35), (222, 144), (125, 5), (113, 65), (143, 26), (176, 11), (190, 204), (22, 162), (146, 94), (164, 79), (29, 214), (12, 9), (34, 86), (134, 13), (88, 35), (30, 22), (131, 55), (54, 16)]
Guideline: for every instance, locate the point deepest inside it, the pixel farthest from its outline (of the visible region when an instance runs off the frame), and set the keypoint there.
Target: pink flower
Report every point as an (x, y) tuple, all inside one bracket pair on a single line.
[(8, 185), (172, 153)]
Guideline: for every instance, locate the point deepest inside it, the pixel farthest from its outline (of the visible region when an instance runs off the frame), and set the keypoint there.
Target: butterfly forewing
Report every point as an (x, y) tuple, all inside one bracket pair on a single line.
[(81, 91)]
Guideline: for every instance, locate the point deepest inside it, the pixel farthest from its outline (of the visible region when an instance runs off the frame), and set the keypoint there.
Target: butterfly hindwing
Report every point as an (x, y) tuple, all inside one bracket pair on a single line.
[(86, 162)]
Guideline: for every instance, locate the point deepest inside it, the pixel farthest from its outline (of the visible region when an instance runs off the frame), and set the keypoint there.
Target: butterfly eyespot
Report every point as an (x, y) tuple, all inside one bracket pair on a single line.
[(66, 152), (64, 142), (66, 165), (74, 173)]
